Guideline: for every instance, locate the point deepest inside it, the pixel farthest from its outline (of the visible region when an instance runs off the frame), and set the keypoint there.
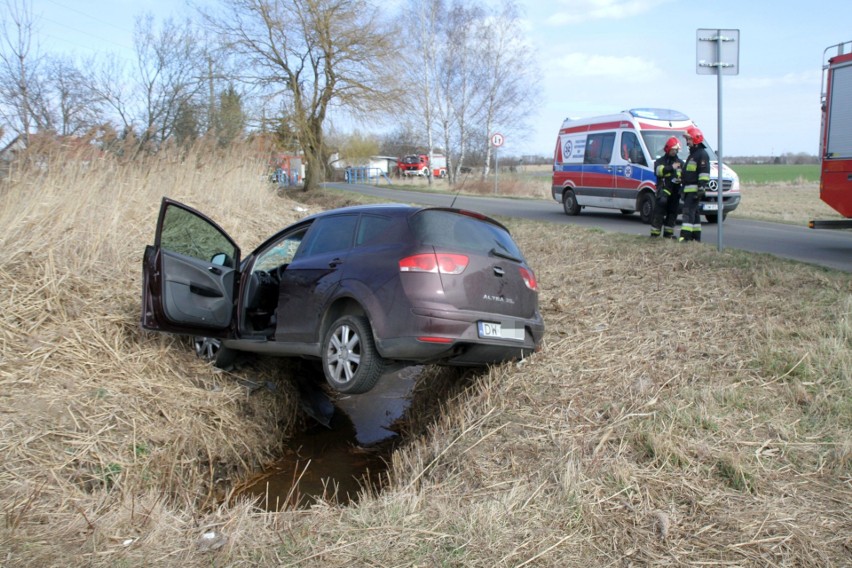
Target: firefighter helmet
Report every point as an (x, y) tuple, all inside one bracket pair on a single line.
[(696, 134), (672, 142)]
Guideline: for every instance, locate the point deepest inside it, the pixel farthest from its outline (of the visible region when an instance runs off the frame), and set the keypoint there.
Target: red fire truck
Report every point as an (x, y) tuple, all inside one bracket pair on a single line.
[(418, 165), (835, 183)]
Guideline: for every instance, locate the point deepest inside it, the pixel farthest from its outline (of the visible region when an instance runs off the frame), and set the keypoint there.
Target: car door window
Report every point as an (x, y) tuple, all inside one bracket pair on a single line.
[(632, 149), (371, 228), (279, 253), (599, 148), (187, 234), (329, 234)]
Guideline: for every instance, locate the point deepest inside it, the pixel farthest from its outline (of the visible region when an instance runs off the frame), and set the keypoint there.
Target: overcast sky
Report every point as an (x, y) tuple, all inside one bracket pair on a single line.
[(604, 56)]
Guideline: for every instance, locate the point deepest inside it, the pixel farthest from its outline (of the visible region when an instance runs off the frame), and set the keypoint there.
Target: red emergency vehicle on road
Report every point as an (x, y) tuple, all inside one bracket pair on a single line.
[(835, 184), (419, 165)]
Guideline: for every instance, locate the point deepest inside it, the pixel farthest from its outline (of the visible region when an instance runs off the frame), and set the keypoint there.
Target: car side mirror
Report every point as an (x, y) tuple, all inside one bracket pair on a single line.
[(222, 259)]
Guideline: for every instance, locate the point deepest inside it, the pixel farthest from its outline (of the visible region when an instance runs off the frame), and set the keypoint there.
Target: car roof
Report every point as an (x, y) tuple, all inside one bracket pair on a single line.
[(367, 208), (400, 208)]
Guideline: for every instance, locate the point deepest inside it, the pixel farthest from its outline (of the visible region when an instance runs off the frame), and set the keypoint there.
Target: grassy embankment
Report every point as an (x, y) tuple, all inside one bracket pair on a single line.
[(688, 406)]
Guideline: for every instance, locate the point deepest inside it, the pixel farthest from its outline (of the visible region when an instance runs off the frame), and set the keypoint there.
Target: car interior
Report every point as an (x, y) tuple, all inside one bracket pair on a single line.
[(260, 303)]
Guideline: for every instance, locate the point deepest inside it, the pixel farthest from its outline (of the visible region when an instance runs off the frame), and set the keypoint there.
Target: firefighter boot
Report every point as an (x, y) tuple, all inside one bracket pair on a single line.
[(668, 233), (696, 236)]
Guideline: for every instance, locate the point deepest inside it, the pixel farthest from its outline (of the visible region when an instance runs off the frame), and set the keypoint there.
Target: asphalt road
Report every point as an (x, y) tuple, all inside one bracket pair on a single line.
[(826, 248)]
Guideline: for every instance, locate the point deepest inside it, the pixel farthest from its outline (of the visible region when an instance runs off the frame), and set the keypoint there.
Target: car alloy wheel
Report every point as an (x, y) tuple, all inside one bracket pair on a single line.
[(350, 361), (210, 349)]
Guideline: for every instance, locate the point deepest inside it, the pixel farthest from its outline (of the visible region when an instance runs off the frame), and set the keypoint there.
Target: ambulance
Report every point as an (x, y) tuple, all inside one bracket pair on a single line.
[(608, 162)]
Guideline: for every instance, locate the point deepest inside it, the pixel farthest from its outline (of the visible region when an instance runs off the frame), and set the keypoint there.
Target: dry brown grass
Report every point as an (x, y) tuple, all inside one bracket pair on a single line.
[(689, 407), (794, 203)]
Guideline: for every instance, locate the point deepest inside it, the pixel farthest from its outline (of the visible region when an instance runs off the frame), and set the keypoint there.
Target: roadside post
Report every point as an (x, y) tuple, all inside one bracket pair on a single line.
[(718, 53), (496, 141)]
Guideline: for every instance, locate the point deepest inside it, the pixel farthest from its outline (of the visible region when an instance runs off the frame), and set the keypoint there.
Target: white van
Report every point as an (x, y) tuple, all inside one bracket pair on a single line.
[(608, 162)]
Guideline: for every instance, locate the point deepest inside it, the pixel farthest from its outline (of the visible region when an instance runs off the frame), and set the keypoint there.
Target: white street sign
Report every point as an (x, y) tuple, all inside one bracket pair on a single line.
[(497, 139)]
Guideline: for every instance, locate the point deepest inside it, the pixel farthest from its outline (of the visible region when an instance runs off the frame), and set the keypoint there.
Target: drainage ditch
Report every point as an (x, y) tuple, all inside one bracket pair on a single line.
[(346, 449)]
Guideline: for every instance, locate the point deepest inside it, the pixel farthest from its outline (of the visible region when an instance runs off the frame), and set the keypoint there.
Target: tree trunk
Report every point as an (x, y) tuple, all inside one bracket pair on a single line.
[(315, 159)]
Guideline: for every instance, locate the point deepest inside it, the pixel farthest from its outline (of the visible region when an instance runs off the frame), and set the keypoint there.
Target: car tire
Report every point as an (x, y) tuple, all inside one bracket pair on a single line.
[(210, 349), (350, 361), (646, 207), (569, 203)]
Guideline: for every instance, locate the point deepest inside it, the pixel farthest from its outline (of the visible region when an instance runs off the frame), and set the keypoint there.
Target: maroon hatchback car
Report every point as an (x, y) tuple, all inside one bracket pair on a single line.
[(363, 289)]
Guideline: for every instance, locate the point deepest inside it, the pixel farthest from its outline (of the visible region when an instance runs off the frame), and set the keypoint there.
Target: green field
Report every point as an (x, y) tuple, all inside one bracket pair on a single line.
[(777, 173)]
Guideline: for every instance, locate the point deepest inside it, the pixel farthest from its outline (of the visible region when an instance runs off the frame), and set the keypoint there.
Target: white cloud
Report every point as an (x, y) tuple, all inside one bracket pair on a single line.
[(810, 79), (627, 69), (575, 11)]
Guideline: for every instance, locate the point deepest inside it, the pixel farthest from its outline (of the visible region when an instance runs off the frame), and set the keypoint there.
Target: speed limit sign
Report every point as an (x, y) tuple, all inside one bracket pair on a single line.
[(497, 139)]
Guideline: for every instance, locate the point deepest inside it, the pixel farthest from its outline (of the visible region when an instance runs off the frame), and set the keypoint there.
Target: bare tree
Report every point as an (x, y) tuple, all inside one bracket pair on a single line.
[(468, 73), (458, 85), (18, 63), (165, 80), (421, 69), (169, 73), (509, 75), (314, 54), (61, 100), (111, 86)]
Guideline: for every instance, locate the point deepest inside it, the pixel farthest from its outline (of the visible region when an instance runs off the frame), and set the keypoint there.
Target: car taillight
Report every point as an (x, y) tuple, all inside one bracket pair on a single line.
[(444, 263), (529, 279)]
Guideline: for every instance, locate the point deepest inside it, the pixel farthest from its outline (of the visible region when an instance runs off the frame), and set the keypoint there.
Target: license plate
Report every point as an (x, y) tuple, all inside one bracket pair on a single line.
[(709, 206), (495, 330)]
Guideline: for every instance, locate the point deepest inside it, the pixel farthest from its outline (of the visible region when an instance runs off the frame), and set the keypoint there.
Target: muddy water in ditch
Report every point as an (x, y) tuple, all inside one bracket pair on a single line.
[(335, 462)]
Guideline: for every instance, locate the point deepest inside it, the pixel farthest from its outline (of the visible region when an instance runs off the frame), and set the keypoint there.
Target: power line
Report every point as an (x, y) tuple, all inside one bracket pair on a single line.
[(95, 18), (84, 34)]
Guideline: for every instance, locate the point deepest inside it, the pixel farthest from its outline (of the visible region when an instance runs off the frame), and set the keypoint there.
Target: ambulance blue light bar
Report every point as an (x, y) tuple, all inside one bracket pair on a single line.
[(658, 114)]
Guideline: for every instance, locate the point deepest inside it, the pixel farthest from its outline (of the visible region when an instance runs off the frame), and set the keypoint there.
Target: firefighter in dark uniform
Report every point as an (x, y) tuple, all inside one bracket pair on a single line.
[(696, 178), (668, 168)]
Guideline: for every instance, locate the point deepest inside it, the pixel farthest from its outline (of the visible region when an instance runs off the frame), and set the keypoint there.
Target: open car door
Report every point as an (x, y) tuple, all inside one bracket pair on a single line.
[(189, 274)]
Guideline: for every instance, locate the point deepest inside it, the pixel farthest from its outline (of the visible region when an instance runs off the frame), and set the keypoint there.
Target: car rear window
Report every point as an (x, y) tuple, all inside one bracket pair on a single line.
[(448, 229)]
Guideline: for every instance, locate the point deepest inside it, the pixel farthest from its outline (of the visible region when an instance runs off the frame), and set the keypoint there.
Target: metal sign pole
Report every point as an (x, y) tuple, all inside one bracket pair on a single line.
[(496, 169), (721, 56), (720, 214), (497, 140)]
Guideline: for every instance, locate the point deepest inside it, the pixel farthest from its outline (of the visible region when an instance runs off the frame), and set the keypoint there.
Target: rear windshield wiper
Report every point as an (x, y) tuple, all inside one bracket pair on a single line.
[(501, 254)]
